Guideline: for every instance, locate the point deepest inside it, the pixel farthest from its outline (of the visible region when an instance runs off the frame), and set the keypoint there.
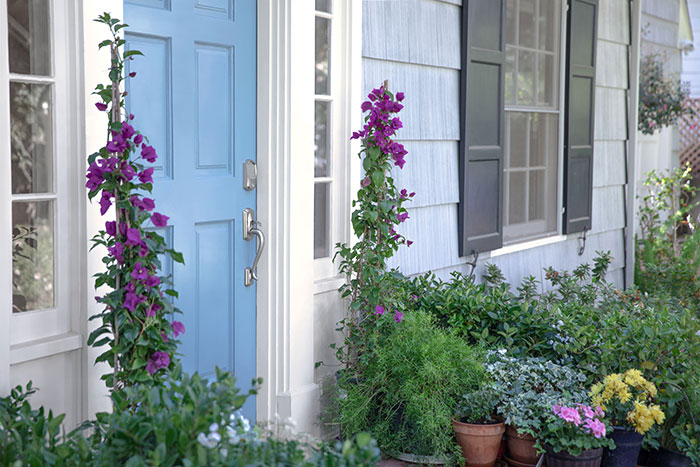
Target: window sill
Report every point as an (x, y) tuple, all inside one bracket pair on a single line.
[(41, 348), (517, 247), (326, 285)]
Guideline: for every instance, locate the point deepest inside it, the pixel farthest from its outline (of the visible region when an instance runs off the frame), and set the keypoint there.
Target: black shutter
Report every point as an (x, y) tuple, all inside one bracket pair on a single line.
[(481, 141), (580, 114)]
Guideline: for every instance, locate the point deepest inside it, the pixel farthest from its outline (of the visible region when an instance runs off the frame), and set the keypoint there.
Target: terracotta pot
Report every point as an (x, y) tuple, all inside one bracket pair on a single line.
[(479, 443), (590, 458), (521, 448)]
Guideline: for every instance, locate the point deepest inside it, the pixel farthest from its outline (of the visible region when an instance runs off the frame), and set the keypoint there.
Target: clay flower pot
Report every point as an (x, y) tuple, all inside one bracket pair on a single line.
[(521, 448), (590, 458), (479, 443)]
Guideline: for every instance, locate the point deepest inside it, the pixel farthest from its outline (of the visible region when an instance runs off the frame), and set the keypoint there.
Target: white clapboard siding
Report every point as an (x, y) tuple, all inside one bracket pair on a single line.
[(609, 163), (421, 32), (613, 21), (612, 64), (432, 97), (431, 172), (416, 45)]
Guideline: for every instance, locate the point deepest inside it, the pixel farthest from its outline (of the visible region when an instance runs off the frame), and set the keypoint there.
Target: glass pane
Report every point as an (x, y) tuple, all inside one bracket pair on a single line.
[(511, 21), (546, 80), (28, 37), (510, 75), (31, 140), (527, 24), (543, 140), (517, 156), (321, 220), (549, 22), (526, 77), (324, 5), (536, 199), (517, 197), (32, 255), (323, 40), (322, 149)]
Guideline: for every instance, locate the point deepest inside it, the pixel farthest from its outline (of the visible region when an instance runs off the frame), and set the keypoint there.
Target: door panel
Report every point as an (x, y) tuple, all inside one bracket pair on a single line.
[(194, 97)]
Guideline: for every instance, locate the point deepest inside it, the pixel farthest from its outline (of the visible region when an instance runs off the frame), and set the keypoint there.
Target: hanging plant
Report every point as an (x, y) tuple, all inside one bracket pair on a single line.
[(136, 327), (661, 98)]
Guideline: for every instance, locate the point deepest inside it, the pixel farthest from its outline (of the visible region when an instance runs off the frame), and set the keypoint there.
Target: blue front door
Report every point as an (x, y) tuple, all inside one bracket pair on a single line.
[(194, 96)]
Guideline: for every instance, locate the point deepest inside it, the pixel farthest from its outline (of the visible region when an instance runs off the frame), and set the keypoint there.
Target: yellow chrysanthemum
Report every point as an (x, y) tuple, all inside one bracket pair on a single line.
[(657, 413), (596, 389)]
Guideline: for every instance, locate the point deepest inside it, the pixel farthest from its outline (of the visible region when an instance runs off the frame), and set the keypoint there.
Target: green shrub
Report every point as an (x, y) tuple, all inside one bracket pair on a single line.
[(408, 392), (187, 421)]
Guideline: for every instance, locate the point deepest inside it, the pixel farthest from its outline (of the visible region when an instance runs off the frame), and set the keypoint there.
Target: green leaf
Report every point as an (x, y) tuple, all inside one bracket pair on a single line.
[(378, 178), (130, 53)]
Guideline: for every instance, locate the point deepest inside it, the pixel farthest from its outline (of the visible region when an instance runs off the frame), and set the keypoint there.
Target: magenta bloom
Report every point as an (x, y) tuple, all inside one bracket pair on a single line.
[(101, 107), (178, 328), (137, 139), (117, 251), (398, 316), (133, 236), (152, 281), (127, 130), (105, 202), (153, 309), (148, 153), (366, 105), (159, 220), (158, 360), (399, 96), (140, 272), (379, 310), (403, 216), (365, 182), (131, 301), (111, 228), (146, 176)]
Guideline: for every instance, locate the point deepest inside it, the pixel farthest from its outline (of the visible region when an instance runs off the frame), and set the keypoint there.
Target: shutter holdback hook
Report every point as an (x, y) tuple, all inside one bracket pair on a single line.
[(582, 248), (475, 254)]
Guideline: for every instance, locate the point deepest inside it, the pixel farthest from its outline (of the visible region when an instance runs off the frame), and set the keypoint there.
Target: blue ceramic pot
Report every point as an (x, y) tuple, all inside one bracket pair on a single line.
[(628, 444)]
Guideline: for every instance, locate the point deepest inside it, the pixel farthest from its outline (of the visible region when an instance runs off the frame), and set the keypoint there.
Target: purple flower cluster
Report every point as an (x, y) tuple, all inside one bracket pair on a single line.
[(127, 240), (381, 125), (379, 311)]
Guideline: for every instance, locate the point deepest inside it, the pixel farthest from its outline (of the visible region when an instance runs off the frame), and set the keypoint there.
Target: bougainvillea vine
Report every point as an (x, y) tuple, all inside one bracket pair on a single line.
[(137, 329), (377, 213)]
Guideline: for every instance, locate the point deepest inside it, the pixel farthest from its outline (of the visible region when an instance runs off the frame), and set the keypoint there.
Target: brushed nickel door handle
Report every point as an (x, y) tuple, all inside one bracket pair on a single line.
[(250, 230)]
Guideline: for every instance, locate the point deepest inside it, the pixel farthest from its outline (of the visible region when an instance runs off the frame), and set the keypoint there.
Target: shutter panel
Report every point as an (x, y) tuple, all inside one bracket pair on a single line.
[(580, 114), (481, 116)]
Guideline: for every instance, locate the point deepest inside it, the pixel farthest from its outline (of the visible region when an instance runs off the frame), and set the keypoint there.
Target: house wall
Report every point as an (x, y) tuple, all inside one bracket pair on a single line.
[(691, 60), (415, 44), (661, 28)]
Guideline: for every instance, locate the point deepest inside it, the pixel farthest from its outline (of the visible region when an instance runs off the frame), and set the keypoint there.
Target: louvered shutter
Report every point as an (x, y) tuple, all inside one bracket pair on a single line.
[(481, 116), (580, 114)]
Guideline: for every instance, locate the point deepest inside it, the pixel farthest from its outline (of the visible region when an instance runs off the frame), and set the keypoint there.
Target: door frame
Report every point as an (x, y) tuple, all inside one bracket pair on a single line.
[(285, 126)]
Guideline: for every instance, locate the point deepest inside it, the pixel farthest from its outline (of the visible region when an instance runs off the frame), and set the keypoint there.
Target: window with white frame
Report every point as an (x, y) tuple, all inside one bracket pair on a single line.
[(532, 119), (323, 116), (44, 175), (334, 86)]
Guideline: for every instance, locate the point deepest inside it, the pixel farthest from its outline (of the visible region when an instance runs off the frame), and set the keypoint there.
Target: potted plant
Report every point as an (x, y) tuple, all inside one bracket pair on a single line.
[(530, 387), (478, 427), (574, 436), (409, 389), (628, 398)]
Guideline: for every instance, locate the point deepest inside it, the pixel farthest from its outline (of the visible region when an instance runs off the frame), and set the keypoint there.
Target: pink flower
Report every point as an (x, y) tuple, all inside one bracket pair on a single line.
[(596, 427), (398, 316), (379, 310), (159, 220), (101, 107), (570, 414)]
